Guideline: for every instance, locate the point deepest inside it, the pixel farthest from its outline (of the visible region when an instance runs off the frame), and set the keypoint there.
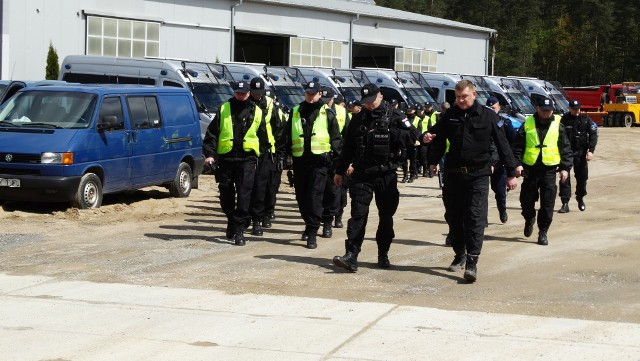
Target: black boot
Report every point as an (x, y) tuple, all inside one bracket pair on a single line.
[(266, 222), (349, 261), (383, 260), (338, 221), (239, 239), (327, 232), (564, 208), (257, 227), (542, 238), (471, 270), (230, 231), (405, 178), (311, 241), (458, 263), (412, 178), (504, 217), (581, 205), (528, 226), (425, 172)]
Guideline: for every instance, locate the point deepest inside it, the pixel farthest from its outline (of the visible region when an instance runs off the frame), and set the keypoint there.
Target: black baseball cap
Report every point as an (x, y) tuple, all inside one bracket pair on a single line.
[(575, 104), (338, 98), (257, 86), (240, 86), (354, 103), (327, 93), (546, 104), (491, 101), (312, 87), (369, 93)]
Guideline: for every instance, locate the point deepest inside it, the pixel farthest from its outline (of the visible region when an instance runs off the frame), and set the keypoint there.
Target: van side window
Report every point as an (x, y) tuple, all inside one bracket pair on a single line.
[(112, 106), (105, 79), (143, 112), (172, 83)]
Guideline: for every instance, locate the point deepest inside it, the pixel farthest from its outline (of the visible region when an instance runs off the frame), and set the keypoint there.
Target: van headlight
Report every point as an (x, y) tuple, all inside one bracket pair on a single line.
[(56, 158)]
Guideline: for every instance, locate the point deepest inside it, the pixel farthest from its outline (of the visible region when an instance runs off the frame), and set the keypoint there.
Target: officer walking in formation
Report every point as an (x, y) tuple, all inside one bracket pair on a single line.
[(469, 127), (313, 139), (409, 167), (583, 137), (332, 194), (373, 149), (543, 148), (268, 171), (354, 107), (233, 142), (428, 121), (499, 173)]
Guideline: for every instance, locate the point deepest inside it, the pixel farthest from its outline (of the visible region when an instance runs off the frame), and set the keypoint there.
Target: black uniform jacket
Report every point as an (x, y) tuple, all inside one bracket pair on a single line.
[(470, 133), (402, 135), (241, 117), (582, 132), (309, 112), (566, 154)]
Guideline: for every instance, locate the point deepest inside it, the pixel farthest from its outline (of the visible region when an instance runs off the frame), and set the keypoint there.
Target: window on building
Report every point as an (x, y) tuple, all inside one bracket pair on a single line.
[(416, 60), (315, 52), (122, 37)]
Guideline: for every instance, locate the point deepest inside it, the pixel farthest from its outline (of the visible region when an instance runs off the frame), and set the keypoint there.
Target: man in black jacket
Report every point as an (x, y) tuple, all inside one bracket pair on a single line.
[(373, 149), (314, 141), (583, 136), (542, 148), (233, 142), (469, 128)]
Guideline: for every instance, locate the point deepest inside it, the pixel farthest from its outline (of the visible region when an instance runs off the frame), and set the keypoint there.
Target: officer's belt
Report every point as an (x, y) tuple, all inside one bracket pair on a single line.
[(385, 168), (459, 170)]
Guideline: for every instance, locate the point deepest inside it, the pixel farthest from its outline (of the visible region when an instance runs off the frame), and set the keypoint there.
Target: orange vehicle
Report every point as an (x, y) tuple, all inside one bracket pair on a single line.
[(594, 98), (626, 110)]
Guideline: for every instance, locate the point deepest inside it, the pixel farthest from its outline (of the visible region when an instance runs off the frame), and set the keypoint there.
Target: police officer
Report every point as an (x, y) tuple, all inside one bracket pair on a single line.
[(543, 148), (583, 136), (372, 151), (267, 172), (409, 167), (233, 142), (428, 121), (354, 107), (499, 173), (313, 139), (469, 128), (335, 198)]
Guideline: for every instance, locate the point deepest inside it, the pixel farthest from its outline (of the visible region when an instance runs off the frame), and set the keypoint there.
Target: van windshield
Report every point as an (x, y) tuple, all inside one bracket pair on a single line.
[(289, 95), (212, 95), (522, 102), (350, 94), (418, 95), (49, 109)]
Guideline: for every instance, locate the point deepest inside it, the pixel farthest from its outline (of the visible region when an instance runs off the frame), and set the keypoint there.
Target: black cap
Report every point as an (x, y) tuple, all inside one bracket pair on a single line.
[(546, 104), (575, 104), (411, 106), (257, 86), (312, 87), (240, 86), (327, 93), (338, 98), (369, 93), (419, 107), (428, 105), (491, 101), (354, 103), (394, 101)]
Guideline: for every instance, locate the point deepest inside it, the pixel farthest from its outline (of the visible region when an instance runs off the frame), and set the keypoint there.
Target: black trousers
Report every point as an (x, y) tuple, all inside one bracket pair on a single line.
[(421, 157), (499, 186), (310, 183), (540, 184), (263, 187), (465, 199), (363, 188), (581, 172), (331, 199), (235, 183), (409, 165), (270, 199)]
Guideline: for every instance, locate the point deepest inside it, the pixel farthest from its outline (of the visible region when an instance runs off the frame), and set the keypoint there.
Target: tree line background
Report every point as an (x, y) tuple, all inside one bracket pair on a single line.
[(576, 42)]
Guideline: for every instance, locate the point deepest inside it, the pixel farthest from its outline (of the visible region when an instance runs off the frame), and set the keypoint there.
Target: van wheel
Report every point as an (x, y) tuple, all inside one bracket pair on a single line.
[(628, 120), (181, 186), (89, 194)]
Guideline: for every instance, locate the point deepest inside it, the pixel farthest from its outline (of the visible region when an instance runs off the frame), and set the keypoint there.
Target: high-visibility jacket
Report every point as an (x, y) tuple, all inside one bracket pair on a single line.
[(320, 138), (341, 116), (267, 119), (250, 142), (550, 150)]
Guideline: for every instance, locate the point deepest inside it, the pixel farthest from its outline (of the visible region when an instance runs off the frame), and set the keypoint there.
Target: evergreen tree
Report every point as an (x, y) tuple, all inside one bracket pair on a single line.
[(53, 67)]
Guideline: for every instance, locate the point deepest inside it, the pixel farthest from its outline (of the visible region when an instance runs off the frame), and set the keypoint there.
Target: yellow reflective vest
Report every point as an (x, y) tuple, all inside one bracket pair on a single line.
[(341, 116), (550, 151), (250, 142), (320, 138)]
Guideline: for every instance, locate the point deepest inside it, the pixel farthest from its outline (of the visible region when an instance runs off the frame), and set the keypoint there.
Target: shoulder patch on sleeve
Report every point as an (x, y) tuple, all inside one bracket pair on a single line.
[(406, 123)]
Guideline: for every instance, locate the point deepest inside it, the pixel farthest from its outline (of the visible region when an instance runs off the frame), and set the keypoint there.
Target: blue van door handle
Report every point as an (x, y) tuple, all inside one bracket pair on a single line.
[(134, 136)]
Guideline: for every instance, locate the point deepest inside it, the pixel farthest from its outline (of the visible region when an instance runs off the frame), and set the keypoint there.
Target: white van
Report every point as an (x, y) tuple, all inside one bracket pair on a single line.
[(401, 86), (204, 80), (536, 88), (347, 82)]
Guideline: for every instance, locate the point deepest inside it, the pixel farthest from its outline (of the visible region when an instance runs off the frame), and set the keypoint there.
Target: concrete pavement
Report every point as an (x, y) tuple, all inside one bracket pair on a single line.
[(44, 318)]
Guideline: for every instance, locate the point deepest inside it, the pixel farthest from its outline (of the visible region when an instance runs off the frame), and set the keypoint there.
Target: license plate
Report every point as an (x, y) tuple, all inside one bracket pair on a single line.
[(7, 182)]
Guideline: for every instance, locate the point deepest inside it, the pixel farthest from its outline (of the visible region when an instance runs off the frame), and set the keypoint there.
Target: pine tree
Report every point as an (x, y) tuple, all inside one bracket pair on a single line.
[(53, 67)]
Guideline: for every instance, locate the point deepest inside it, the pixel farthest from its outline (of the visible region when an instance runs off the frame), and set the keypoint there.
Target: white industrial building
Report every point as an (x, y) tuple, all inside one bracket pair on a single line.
[(335, 33)]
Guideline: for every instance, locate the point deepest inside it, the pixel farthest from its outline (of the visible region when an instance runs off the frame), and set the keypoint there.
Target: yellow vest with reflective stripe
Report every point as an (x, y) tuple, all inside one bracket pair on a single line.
[(416, 121), (432, 120), (550, 151), (250, 142), (267, 119), (320, 138), (341, 116)]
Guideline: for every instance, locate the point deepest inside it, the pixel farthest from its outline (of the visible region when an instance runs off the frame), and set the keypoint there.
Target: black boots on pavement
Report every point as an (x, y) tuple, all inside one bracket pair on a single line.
[(564, 208), (349, 261), (327, 232)]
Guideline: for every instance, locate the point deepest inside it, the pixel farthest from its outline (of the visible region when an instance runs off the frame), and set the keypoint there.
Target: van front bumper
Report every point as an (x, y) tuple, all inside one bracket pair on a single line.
[(40, 189)]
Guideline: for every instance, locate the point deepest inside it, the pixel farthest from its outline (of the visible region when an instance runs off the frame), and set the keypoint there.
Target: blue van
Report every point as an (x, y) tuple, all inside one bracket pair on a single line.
[(76, 143)]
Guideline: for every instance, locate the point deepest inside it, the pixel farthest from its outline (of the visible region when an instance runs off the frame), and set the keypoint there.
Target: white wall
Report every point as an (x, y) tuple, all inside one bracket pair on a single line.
[(199, 30)]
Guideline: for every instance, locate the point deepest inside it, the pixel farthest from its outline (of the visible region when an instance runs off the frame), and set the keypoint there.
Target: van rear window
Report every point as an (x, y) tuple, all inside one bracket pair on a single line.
[(106, 79)]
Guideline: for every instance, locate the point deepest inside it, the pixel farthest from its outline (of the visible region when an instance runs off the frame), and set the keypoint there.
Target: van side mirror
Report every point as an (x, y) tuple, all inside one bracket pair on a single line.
[(108, 122)]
